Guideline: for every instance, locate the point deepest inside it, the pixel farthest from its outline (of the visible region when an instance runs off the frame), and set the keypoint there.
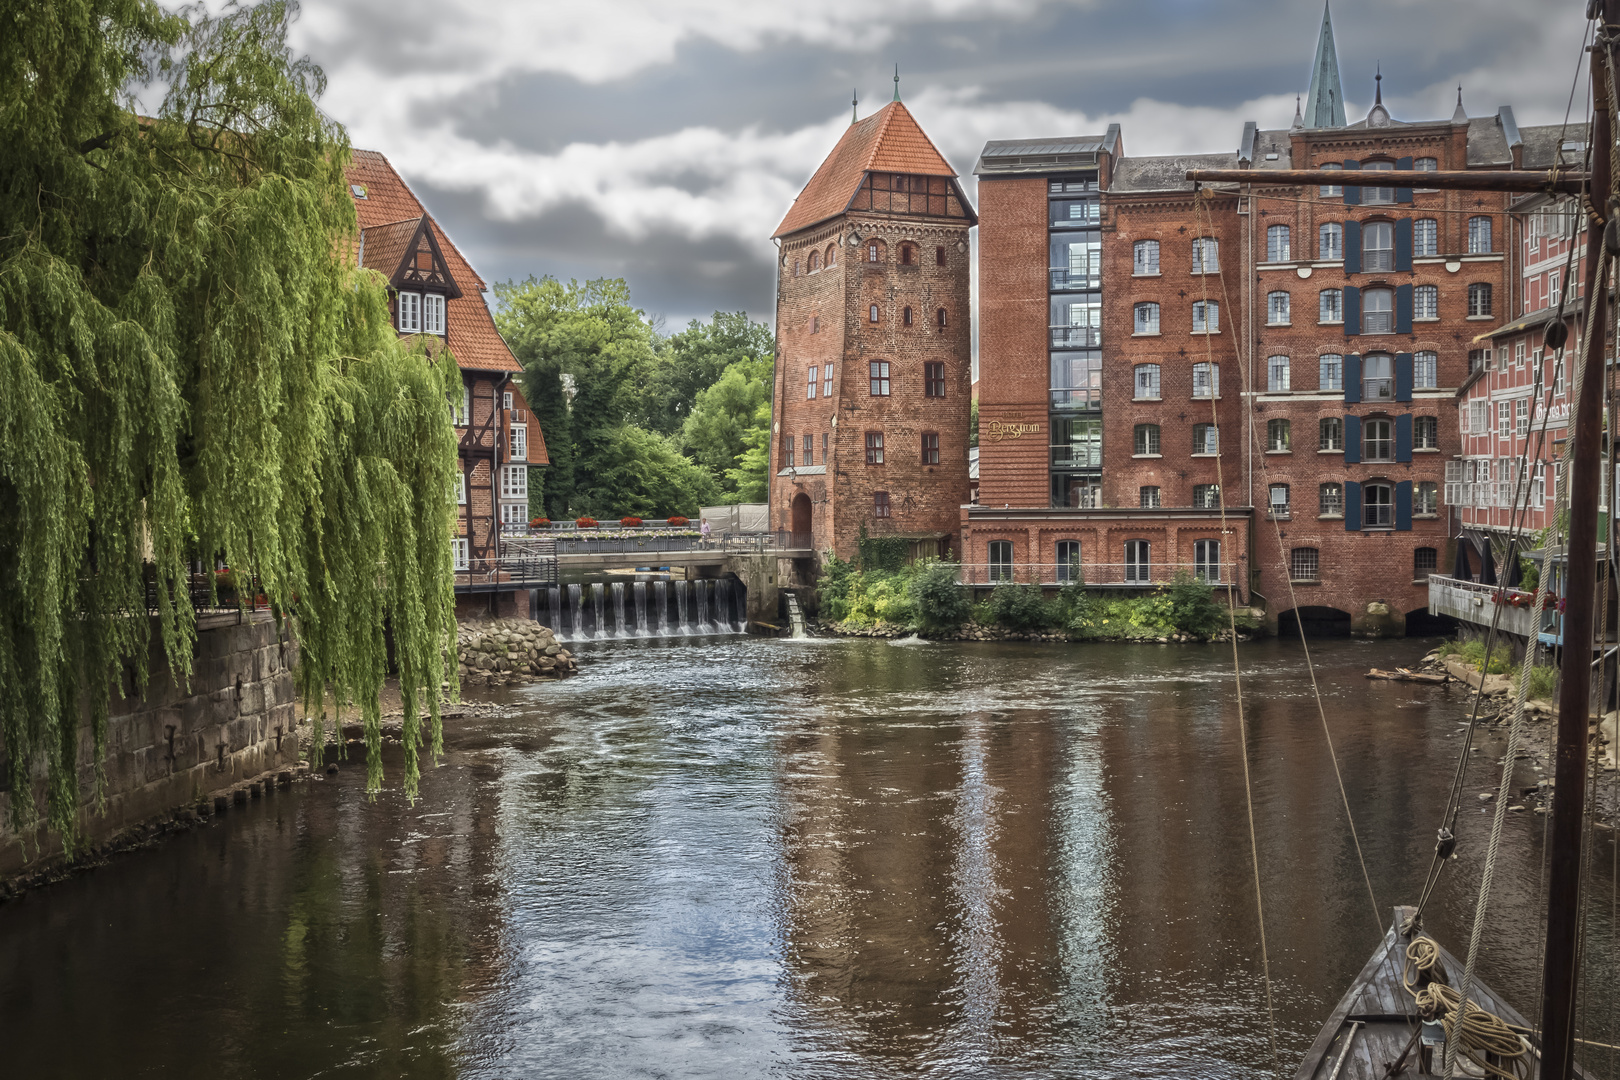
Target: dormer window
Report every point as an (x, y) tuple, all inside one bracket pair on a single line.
[(433, 314), (410, 313)]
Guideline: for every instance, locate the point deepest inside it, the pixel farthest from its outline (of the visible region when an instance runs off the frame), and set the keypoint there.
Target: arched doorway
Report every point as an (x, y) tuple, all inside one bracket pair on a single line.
[(1420, 623), (799, 519), (1317, 622)]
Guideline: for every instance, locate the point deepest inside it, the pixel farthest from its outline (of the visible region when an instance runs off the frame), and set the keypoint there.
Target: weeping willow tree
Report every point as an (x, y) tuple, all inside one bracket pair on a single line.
[(193, 369)]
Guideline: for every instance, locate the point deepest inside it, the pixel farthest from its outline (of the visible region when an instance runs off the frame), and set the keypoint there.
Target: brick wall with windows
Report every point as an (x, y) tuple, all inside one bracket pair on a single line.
[(885, 253)]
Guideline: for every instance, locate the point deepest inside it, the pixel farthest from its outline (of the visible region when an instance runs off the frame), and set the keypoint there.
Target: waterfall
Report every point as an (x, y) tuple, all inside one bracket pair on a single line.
[(722, 603), (576, 628), (660, 606), (700, 609), (619, 627), (639, 590), (680, 607), (555, 596), (740, 600), (598, 595)]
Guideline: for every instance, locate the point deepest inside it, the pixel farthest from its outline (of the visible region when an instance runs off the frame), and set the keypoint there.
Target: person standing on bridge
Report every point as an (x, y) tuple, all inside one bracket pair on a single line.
[(703, 530)]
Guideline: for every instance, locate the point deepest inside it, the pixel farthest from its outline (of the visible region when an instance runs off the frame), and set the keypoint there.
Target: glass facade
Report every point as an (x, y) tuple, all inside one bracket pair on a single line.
[(1074, 246)]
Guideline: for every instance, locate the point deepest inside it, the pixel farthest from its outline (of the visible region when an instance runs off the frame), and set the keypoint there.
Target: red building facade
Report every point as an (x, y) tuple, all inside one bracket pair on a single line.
[(873, 360)]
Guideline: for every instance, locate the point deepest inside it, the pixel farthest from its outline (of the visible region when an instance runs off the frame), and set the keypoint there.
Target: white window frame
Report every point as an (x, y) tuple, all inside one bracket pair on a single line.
[(1426, 302), (1151, 371), (1279, 243), (461, 487), (826, 380), (1210, 385), (1279, 377), (1273, 502), (1278, 308), (515, 482), (1330, 242), (515, 513), (410, 312), (1425, 370), (460, 557), (433, 314), (1207, 561), (1336, 367), (517, 441), (812, 376), (1425, 238), (1145, 258), (1206, 317), (458, 414), (506, 400), (1206, 255)]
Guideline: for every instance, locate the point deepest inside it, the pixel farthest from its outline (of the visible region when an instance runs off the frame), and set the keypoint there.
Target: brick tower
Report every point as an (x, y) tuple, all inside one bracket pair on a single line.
[(873, 345)]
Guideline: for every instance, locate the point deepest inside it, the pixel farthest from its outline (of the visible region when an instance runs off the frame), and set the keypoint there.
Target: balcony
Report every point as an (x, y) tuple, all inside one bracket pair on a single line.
[(1072, 337), (1068, 277)]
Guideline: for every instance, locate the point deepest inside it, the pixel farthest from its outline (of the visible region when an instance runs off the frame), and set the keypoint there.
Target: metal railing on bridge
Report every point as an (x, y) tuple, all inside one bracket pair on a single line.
[(507, 572), (631, 544), (1096, 575)]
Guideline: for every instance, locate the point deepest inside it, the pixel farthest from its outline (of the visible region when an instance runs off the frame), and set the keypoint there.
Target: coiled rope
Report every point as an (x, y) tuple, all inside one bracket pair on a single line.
[(1483, 1037)]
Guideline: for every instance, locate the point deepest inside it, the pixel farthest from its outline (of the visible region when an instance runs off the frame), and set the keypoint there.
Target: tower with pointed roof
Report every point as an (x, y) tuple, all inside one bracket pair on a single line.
[(869, 429), (1324, 102)]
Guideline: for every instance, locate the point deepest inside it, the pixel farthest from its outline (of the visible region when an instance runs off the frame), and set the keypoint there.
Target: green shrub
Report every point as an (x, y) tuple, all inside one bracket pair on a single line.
[(1193, 607), (982, 615), (834, 584), (1543, 683), (1472, 653), (1020, 607), (941, 603)]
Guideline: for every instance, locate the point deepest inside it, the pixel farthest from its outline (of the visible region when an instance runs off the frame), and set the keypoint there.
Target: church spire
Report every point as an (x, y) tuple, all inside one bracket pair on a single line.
[(1325, 97), (897, 82), (854, 105)]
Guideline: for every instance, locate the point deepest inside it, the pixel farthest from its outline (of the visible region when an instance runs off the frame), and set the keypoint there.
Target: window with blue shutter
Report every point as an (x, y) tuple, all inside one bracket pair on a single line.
[(1403, 194), (1403, 245), (1352, 245), (1403, 309), (1403, 506), (1352, 195), (1352, 506), (1352, 379), (1403, 437), (1403, 377), (1352, 439), (1352, 311)]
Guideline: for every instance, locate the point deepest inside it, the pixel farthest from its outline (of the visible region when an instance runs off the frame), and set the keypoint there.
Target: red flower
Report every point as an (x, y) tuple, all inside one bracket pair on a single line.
[(585, 522), (630, 522), (677, 521)]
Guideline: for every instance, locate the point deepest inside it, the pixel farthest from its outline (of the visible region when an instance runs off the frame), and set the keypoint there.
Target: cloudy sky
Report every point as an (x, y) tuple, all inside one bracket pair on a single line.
[(662, 140)]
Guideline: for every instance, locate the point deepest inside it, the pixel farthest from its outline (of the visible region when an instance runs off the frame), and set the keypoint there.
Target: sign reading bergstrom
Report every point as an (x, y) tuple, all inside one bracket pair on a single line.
[(1001, 432)]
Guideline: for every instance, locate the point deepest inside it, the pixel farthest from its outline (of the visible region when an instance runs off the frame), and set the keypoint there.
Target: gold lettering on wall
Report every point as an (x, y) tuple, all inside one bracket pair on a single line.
[(1000, 431)]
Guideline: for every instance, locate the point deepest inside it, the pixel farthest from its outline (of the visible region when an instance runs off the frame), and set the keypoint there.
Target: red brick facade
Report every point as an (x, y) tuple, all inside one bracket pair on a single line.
[(874, 302)]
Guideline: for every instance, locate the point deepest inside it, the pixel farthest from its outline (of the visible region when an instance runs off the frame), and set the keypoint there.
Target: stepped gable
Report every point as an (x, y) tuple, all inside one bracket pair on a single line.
[(889, 140), (388, 201)]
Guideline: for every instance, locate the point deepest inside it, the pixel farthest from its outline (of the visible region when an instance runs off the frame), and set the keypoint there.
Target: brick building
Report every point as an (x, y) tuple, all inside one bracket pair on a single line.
[(435, 293), (873, 357), (1290, 353)]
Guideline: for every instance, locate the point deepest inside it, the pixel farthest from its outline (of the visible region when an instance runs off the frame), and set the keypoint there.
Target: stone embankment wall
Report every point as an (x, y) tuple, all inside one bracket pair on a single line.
[(498, 650), (179, 743)]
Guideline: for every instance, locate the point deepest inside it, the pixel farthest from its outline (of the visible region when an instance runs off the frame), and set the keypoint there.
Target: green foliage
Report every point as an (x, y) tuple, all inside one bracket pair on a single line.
[(973, 423), (749, 481), (1529, 574), (1543, 683), (1021, 607), (689, 362), (718, 430), (191, 367), (942, 605), (885, 553), (1193, 608), (1472, 653), (640, 472)]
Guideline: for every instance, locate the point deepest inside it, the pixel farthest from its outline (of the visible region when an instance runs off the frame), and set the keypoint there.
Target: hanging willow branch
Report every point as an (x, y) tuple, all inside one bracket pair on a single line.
[(192, 367)]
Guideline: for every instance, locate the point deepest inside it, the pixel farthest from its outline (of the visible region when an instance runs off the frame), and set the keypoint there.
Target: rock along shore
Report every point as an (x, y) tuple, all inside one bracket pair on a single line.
[(495, 651)]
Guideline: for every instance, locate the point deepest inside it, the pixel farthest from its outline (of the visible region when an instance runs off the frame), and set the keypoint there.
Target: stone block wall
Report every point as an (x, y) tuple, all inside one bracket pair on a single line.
[(178, 743)]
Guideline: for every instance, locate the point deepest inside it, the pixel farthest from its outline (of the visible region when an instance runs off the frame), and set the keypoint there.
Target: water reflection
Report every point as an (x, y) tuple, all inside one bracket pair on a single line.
[(823, 859)]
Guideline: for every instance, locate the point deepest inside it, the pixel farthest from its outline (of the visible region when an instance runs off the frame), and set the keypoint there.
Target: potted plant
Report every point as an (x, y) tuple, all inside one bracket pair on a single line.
[(630, 522), (585, 522), (539, 523), (677, 522)]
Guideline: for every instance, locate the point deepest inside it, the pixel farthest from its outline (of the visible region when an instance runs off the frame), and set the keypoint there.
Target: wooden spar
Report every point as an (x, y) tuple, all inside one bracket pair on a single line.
[(1565, 183), (1561, 963)]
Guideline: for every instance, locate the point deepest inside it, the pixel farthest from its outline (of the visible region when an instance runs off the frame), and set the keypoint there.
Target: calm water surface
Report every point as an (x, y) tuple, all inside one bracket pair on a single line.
[(753, 858)]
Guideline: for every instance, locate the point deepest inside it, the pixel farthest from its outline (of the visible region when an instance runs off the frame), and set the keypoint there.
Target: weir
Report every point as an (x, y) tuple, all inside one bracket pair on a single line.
[(700, 607)]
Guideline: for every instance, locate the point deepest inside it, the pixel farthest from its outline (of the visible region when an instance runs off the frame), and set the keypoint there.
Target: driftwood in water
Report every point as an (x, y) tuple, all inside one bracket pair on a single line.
[(1407, 675)]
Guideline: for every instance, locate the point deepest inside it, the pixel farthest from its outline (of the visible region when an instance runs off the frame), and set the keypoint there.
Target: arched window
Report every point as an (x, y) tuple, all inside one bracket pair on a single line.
[(1001, 560), (939, 256), (1147, 318), (1426, 164), (1138, 570), (1330, 241), (905, 316), (1426, 498), (1206, 380), (1377, 506), (1425, 433), (1206, 257), (1277, 245), (1279, 437), (1207, 496), (1479, 299), (872, 314), (1425, 370), (832, 256), (1425, 561), (1377, 246), (1330, 433), (1068, 561), (813, 264), (1330, 306), (1206, 439), (1146, 257), (1330, 372), (1377, 439), (1207, 561), (1147, 439), (1330, 500), (908, 254), (1479, 235), (1377, 382), (1277, 310), (1147, 381), (795, 267), (1377, 311), (1277, 375), (876, 251), (1330, 189), (1148, 497), (1206, 317), (1377, 194), (939, 317), (1425, 237), (1426, 302), (1277, 501), (1305, 565)]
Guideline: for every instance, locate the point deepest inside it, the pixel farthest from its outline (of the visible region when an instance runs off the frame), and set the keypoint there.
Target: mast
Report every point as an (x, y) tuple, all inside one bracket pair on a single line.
[(1561, 970)]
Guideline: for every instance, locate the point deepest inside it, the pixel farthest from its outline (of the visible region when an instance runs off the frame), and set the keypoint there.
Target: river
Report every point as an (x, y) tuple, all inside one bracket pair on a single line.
[(741, 858)]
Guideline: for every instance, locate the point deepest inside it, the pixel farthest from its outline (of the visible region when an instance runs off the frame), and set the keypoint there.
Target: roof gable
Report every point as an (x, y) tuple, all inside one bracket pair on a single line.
[(889, 140)]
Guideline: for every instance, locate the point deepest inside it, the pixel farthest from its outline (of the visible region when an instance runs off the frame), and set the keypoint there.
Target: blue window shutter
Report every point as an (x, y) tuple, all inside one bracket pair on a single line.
[(1403, 437), (1403, 309), (1352, 506), (1352, 311), (1352, 195), (1352, 379), (1403, 245), (1352, 440), (1403, 506), (1403, 194), (1352, 246), (1403, 378)]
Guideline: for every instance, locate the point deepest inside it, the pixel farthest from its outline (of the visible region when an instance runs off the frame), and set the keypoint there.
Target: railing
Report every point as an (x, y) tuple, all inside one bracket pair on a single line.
[(1076, 336), (1063, 277), (1377, 389), (1094, 575), (781, 540), (1475, 603), (1085, 397), (521, 571)]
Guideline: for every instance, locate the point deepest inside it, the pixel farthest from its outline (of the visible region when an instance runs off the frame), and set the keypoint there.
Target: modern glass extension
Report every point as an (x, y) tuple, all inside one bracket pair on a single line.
[(1074, 283)]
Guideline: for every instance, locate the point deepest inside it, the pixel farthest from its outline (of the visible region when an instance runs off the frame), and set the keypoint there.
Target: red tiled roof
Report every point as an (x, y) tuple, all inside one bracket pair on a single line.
[(382, 247), (887, 141), (472, 337)]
